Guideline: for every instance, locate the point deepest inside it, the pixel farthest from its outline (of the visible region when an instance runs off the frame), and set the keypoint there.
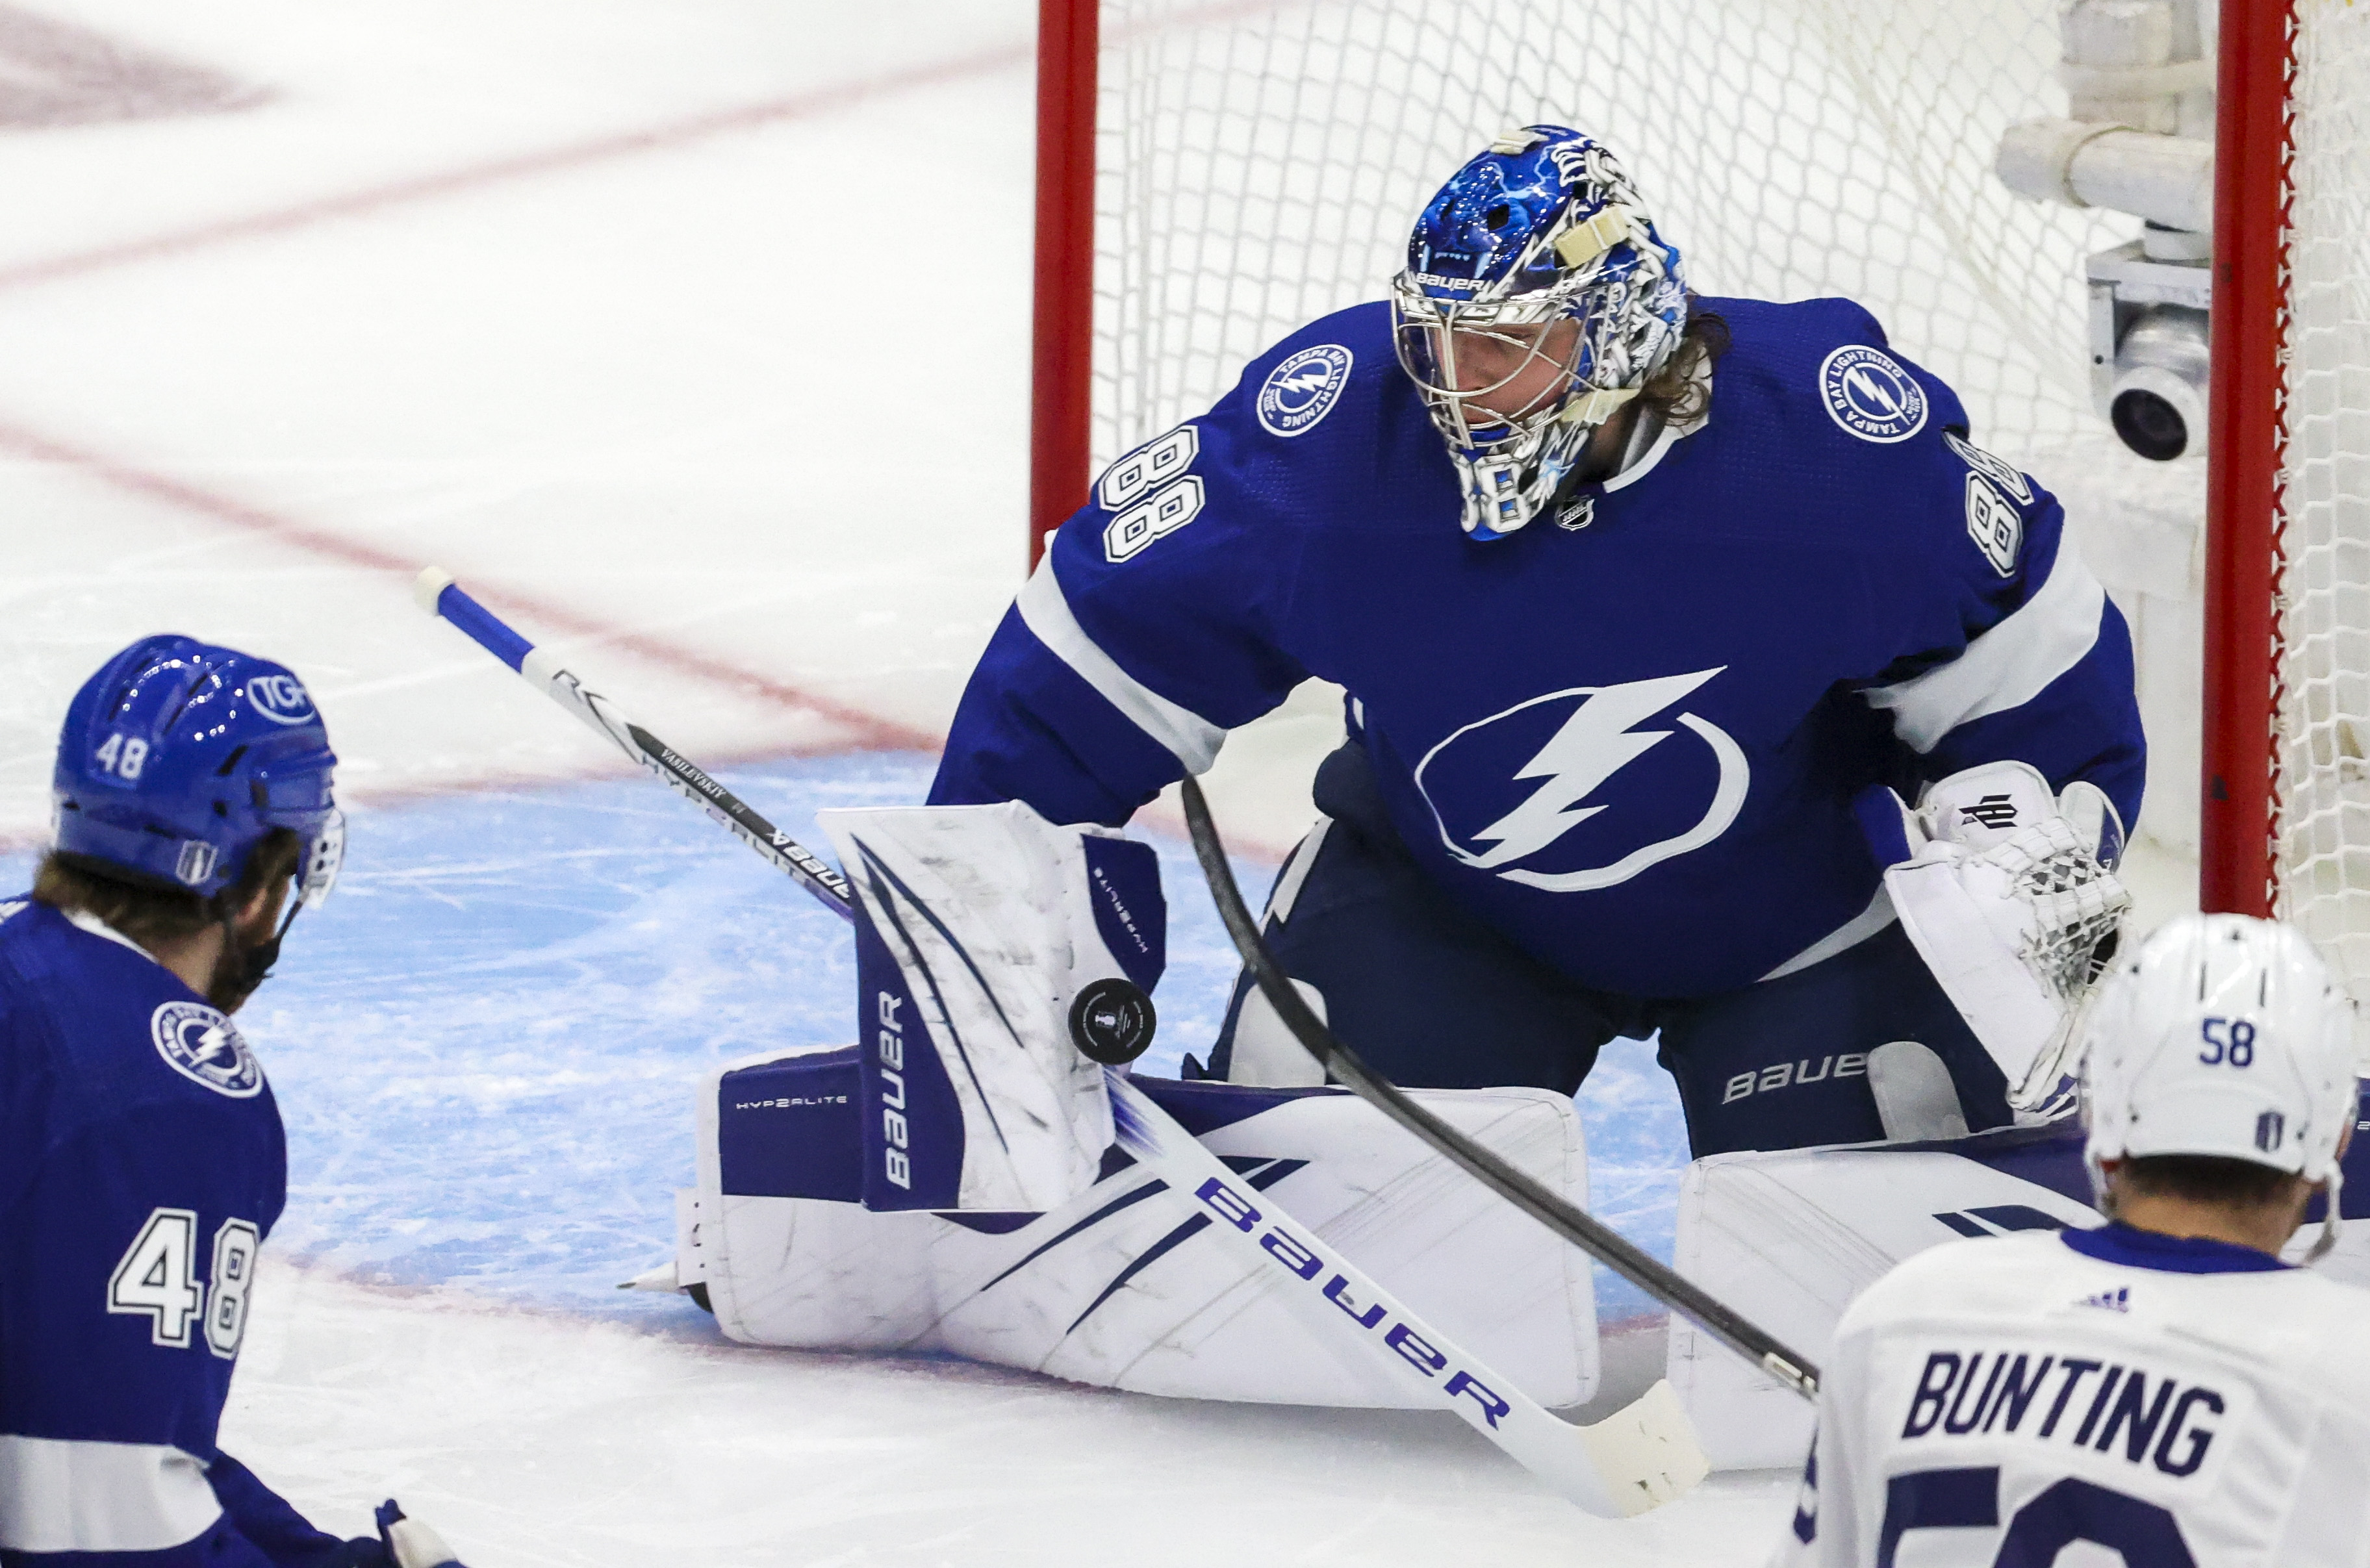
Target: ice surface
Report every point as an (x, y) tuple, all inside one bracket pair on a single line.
[(485, 1047), (694, 334), (535, 1440)]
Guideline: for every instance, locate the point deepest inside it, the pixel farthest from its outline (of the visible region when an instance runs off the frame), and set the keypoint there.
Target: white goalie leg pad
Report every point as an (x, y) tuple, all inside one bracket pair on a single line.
[(1123, 1285), (977, 927), (1797, 1234), (2002, 889)]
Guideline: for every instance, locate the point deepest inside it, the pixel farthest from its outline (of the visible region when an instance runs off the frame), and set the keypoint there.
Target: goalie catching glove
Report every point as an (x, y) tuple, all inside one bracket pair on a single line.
[(2010, 895)]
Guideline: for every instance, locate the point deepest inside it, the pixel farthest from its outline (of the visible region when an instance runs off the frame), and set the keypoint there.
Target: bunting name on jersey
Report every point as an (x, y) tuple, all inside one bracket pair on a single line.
[(2148, 1418)]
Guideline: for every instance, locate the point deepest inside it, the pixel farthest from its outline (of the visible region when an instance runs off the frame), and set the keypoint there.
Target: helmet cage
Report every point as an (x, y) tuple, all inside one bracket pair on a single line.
[(1595, 261)]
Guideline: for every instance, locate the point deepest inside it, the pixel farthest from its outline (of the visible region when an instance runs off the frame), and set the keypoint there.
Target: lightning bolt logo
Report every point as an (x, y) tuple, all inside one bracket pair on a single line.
[(1599, 739), (1303, 390), (1871, 393), (1868, 393), (1594, 743)]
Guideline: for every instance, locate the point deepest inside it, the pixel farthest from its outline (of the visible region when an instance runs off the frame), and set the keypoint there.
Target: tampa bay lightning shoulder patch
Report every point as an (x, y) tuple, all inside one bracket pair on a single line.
[(1303, 389), (205, 1047), (1868, 393)]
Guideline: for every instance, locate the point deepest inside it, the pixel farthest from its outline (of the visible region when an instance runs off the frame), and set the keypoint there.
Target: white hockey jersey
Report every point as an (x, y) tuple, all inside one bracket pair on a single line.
[(2177, 1401)]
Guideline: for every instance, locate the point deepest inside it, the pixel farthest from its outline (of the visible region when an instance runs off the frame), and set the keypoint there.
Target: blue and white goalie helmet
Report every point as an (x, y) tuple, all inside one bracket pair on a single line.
[(179, 757), (2223, 1036), (1541, 230)]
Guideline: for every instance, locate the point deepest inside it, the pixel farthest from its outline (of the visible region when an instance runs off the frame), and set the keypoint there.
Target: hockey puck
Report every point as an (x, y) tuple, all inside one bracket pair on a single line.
[(1111, 1021)]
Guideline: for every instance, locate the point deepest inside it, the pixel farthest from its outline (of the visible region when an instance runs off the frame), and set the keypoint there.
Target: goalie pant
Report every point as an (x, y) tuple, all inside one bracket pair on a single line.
[(1123, 1285), (1855, 1043), (2177, 1401)]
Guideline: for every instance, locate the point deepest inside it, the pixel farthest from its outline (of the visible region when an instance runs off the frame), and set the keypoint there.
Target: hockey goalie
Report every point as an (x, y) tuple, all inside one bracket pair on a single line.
[(1708, 681)]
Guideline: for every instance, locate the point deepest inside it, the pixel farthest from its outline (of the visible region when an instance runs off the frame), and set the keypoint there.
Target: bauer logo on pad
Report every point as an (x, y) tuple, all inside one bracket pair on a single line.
[(1868, 393), (1303, 389)]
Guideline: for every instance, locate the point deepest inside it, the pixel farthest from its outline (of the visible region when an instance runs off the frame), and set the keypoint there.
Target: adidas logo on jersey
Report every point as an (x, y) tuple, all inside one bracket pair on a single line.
[(2119, 1300)]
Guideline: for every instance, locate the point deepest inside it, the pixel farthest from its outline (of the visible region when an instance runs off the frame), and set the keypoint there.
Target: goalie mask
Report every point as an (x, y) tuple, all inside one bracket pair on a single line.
[(1535, 267), (2224, 1036)]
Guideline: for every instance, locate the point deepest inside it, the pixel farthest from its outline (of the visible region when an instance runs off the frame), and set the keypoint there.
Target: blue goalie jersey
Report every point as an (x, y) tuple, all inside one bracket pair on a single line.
[(142, 1164), (1627, 737)]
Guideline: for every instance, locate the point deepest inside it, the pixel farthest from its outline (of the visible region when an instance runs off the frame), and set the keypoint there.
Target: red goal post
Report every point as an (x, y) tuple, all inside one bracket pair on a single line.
[(1213, 173), (2287, 648)]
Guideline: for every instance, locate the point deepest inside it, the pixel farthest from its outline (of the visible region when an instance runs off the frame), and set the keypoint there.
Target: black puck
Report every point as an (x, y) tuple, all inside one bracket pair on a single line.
[(1111, 1021)]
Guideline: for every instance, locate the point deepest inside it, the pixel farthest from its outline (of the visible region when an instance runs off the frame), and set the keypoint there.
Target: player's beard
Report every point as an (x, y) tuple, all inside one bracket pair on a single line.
[(244, 964)]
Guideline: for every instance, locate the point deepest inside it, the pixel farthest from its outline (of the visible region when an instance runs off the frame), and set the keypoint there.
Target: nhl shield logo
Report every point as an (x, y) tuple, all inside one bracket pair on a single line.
[(1868, 393), (1303, 389), (205, 1047)]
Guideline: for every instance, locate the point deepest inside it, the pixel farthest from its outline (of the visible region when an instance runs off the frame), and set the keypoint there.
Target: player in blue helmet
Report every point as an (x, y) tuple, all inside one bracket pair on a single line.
[(1537, 302), (1802, 737), (181, 764), (142, 1156)]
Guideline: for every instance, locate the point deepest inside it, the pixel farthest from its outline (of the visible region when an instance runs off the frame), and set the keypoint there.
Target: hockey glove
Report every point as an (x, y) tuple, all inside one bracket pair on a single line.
[(409, 1543), (2010, 897)]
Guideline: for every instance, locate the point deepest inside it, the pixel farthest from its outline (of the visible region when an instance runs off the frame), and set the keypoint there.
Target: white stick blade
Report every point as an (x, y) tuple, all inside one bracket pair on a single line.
[(1647, 1451)]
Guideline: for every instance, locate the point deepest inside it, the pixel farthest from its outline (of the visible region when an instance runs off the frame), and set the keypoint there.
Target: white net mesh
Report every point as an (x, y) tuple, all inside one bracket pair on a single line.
[(1261, 161), (1261, 164), (2324, 779)]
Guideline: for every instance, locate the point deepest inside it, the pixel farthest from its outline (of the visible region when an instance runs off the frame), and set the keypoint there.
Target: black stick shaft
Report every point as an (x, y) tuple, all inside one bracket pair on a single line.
[(688, 779), (1582, 1229)]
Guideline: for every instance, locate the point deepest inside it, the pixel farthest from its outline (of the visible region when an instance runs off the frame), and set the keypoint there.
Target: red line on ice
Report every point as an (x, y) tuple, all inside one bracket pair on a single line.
[(654, 138), (866, 731)]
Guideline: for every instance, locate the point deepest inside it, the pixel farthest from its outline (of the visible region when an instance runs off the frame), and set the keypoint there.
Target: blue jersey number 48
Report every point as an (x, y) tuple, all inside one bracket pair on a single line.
[(158, 1277)]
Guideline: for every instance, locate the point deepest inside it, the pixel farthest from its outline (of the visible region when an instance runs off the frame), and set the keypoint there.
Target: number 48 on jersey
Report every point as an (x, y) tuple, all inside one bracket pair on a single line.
[(158, 1277)]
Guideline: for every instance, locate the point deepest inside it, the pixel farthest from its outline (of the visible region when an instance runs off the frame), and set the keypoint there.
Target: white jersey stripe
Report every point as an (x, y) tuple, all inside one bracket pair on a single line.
[(62, 1495), (1191, 739), (1851, 934), (2008, 665)]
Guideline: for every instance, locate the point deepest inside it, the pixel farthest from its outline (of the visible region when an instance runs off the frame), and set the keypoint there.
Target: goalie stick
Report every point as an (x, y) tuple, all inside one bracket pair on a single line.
[(1637, 1459), (436, 593), (1607, 1246), (1641, 1456)]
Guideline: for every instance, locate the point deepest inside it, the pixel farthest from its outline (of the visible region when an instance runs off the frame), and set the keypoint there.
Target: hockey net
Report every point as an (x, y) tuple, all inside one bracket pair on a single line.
[(1261, 164), (1258, 164), (2322, 741)]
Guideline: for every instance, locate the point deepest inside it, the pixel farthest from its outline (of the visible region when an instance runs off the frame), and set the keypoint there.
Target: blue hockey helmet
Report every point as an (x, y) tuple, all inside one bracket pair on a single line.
[(178, 757), (1542, 228)]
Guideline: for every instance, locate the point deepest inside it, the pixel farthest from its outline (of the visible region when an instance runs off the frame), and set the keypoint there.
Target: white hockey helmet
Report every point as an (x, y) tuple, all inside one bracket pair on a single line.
[(2223, 1036)]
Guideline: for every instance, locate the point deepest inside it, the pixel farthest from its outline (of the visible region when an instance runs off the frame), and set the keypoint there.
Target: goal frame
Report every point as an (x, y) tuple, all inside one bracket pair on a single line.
[(2238, 810), (2238, 858)]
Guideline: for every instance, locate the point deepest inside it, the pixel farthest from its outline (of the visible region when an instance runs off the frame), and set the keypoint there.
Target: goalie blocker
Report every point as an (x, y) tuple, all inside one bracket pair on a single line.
[(950, 1182)]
